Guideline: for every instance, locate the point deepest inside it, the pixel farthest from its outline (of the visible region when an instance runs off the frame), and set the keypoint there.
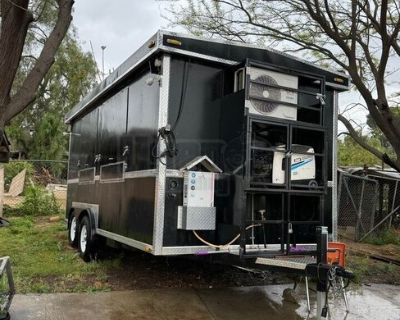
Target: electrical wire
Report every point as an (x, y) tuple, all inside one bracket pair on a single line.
[(223, 246), (167, 133), (170, 144), (185, 76)]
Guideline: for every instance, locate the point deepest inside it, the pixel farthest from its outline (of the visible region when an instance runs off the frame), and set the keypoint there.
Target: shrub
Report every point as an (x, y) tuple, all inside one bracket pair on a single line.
[(38, 202), (12, 168), (388, 236)]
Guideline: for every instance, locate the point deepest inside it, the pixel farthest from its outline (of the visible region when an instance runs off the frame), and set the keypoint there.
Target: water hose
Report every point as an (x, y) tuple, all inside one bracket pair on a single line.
[(223, 246)]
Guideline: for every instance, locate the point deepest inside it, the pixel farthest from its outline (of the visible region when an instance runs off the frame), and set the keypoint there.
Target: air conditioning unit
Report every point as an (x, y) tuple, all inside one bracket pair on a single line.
[(302, 166), (265, 95)]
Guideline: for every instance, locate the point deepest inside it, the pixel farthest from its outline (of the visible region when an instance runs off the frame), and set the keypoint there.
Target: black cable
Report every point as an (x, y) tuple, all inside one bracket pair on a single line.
[(168, 136), (167, 133), (185, 75)]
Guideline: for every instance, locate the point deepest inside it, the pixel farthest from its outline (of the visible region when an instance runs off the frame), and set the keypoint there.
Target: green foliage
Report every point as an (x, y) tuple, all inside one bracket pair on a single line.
[(365, 268), (38, 202), (12, 168), (389, 236), (378, 134), (351, 154), (38, 131), (48, 140)]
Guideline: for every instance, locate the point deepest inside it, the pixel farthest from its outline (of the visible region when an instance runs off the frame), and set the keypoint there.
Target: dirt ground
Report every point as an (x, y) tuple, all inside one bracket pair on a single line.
[(138, 270), (369, 270)]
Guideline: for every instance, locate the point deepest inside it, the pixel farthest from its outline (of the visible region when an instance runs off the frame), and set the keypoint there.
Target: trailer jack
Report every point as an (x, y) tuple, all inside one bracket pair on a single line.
[(327, 268), (326, 274), (7, 288)]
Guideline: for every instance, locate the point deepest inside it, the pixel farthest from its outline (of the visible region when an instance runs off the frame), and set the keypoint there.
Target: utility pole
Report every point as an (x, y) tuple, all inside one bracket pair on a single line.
[(102, 60)]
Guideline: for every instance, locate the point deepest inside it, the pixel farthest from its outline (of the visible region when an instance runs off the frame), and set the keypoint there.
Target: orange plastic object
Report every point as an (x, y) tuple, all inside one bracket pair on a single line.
[(337, 253)]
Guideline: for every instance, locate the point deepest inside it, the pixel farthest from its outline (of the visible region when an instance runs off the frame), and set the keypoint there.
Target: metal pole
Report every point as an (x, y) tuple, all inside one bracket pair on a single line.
[(346, 303), (393, 202), (359, 212), (307, 295), (102, 60), (382, 221), (322, 284), (335, 184)]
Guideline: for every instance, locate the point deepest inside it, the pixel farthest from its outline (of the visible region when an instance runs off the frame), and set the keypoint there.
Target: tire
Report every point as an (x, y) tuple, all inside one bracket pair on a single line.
[(73, 228), (5, 317), (85, 243), (4, 223)]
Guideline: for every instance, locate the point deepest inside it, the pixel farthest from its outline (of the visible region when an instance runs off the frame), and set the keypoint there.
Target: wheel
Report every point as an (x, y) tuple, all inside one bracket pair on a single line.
[(4, 223), (73, 230), (5, 316), (85, 243)]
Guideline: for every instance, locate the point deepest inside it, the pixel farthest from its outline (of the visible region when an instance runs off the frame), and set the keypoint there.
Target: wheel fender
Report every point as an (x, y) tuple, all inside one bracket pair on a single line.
[(93, 221)]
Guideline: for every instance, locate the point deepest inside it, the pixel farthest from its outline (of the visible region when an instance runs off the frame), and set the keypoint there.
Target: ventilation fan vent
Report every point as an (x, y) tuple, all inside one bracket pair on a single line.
[(268, 96), (261, 88)]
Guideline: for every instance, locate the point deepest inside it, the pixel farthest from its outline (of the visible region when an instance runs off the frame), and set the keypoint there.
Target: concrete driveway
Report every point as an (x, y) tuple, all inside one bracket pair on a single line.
[(251, 303)]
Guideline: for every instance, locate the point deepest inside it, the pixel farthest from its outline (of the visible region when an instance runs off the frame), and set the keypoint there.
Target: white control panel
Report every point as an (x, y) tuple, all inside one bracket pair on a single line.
[(198, 189)]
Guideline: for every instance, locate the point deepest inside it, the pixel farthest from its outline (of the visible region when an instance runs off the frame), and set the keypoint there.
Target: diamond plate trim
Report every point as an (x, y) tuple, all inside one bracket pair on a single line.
[(158, 228), (128, 241), (298, 263), (197, 218)]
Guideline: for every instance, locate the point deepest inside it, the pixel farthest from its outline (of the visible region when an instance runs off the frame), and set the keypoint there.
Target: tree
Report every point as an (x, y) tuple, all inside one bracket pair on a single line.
[(359, 36), (352, 154), (17, 18), (39, 130)]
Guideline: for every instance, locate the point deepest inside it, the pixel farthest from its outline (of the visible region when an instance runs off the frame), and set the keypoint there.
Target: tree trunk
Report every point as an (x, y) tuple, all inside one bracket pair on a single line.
[(1, 189), (14, 26), (27, 93)]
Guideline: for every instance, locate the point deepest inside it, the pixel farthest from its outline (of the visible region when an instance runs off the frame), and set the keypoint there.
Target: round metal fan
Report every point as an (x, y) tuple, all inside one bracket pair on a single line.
[(261, 89)]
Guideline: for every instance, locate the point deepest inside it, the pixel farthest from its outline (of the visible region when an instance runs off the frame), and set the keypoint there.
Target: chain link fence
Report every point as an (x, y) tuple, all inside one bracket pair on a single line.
[(367, 205), (357, 203), (388, 206), (21, 178)]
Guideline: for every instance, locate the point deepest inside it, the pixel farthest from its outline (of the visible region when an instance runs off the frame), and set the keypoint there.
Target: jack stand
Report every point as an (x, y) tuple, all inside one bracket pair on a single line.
[(307, 295), (6, 297), (346, 303)]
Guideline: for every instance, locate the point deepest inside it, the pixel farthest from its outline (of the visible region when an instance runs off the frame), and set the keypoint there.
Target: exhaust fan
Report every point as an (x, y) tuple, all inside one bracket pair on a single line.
[(265, 97)]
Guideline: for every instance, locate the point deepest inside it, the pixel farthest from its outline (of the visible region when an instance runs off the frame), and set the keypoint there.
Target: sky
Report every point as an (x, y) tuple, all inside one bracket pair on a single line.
[(123, 26)]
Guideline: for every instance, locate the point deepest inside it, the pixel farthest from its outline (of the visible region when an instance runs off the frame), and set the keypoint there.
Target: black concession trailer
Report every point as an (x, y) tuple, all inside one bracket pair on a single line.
[(196, 146)]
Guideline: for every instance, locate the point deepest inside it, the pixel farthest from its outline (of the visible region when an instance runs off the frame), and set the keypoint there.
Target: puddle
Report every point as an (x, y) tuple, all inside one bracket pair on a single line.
[(365, 302), (380, 302)]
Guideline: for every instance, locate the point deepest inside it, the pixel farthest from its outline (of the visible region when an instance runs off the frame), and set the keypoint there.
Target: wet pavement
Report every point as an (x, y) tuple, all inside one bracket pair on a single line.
[(250, 303)]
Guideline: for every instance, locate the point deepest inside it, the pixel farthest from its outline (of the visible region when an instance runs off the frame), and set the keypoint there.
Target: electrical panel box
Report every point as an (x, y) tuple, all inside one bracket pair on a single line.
[(198, 211)]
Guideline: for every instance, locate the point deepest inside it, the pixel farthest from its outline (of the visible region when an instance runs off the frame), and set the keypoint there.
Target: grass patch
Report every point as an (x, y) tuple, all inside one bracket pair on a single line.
[(368, 270), (42, 260), (390, 236)]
